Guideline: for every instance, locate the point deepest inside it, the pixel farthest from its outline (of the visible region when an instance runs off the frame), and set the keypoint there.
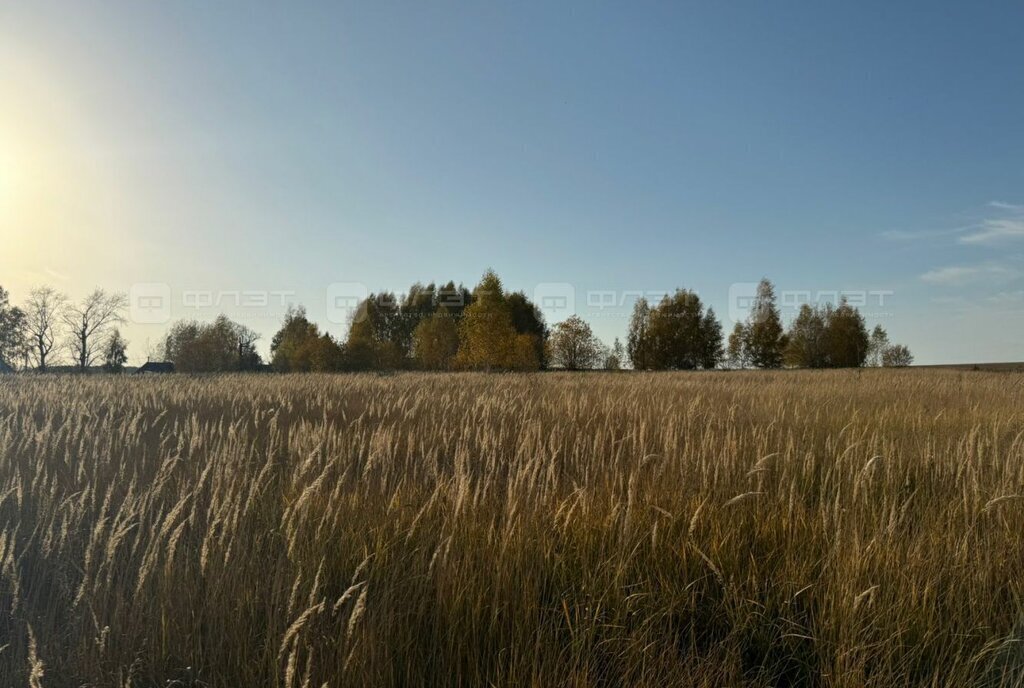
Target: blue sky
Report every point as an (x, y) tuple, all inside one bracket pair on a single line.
[(228, 150)]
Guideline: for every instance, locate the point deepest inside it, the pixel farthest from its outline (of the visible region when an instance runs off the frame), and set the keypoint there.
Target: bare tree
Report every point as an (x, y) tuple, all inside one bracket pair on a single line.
[(89, 322), (43, 312)]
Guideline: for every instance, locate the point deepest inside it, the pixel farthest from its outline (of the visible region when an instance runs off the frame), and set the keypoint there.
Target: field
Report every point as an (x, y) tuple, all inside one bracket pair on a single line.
[(1005, 367), (692, 529)]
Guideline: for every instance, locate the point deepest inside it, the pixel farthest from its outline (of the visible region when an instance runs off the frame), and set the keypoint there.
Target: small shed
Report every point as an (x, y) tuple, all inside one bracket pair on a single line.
[(156, 367), (4, 368)]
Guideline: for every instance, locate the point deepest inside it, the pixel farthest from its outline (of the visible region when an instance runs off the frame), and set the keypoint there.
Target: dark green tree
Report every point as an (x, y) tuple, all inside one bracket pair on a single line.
[(115, 353), (453, 300), (846, 337), (766, 339), (711, 341), (416, 306), (528, 320), (806, 344), (13, 345), (682, 335)]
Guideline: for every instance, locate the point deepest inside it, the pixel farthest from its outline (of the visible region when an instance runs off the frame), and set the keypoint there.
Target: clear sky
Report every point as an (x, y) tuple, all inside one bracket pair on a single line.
[(227, 150)]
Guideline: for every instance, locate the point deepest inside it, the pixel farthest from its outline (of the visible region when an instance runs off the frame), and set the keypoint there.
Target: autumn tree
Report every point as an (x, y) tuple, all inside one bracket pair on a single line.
[(524, 354), (897, 356), (488, 339), (323, 354), (218, 346), (375, 337), (877, 345), (573, 346), (736, 348), (638, 343), (42, 318), (765, 337), (88, 323), (486, 334), (436, 341), (293, 346)]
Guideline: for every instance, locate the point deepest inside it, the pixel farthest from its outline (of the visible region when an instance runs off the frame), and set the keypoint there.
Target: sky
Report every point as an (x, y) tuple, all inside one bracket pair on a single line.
[(237, 157)]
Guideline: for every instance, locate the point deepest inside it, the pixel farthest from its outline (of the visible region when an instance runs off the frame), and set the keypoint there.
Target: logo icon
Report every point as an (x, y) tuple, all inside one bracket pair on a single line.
[(556, 300), (149, 303), (343, 299)]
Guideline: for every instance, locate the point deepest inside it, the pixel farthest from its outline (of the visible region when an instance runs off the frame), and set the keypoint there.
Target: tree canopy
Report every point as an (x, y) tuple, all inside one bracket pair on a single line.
[(677, 334), (450, 327)]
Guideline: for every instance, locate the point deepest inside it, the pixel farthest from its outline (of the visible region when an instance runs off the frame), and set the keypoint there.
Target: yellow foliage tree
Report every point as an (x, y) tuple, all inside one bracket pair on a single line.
[(488, 339)]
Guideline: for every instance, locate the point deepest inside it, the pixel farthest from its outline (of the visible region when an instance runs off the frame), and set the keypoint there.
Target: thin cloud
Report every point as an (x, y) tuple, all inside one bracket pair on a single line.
[(1006, 206), (998, 230), (911, 235), (1008, 298), (1004, 225), (966, 274)]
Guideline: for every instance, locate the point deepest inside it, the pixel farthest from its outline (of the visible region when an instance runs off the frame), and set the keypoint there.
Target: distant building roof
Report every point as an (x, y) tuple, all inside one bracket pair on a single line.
[(4, 368), (156, 367)]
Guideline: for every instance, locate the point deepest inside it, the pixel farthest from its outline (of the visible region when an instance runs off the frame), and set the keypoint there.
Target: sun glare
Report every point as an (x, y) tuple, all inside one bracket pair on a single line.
[(7, 178)]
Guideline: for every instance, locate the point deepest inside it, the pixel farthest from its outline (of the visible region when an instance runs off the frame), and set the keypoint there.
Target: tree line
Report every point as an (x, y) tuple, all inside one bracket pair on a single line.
[(451, 327), (825, 336), (48, 324)]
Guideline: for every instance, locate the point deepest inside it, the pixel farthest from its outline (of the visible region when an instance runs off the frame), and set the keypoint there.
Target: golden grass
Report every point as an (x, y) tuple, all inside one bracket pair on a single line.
[(701, 529)]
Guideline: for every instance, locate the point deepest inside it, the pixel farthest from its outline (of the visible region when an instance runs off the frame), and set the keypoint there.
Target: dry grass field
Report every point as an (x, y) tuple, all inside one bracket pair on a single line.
[(701, 529)]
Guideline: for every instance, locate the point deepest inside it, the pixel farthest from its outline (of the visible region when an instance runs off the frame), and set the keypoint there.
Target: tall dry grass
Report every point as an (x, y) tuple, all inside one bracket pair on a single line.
[(708, 529)]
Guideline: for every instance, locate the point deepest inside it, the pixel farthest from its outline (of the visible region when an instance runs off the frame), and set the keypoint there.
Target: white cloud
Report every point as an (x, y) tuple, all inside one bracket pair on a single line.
[(1009, 226), (965, 274)]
